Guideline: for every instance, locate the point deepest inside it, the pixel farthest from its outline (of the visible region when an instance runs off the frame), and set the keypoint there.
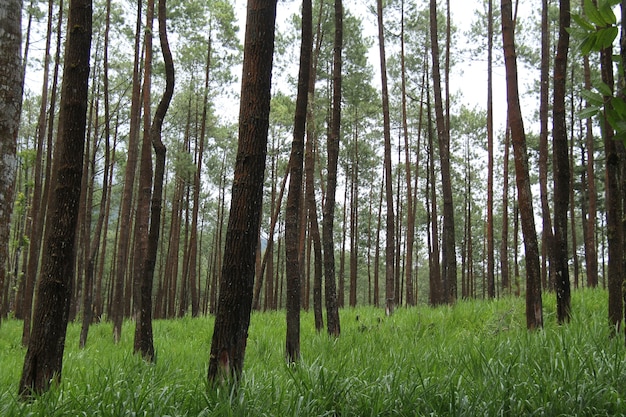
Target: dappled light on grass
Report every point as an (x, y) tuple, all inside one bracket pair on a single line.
[(475, 358)]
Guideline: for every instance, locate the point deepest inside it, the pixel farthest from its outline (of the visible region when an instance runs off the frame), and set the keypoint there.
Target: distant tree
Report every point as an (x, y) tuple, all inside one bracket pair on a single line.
[(561, 168), (125, 219), (11, 82), (237, 280), (491, 282), (544, 89), (44, 357), (294, 195), (534, 308), (390, 290)]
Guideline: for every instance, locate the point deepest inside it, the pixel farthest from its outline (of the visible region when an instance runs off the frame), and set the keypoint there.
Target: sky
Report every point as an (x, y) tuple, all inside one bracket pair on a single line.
[(468, 79)]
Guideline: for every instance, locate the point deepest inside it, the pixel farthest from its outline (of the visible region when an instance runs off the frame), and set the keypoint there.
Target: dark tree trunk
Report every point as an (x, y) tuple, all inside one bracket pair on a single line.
[(561, 169), (448, 258), (390, 290), (614, 234), (40, 191), (534, 308), (11, 86), (143, 329), (294, 195), (44, 357), (125, 220), (236, 285), (328, 218)]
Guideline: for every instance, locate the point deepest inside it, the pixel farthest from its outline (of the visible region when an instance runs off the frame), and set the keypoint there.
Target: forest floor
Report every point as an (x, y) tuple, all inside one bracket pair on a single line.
[(473, 359)]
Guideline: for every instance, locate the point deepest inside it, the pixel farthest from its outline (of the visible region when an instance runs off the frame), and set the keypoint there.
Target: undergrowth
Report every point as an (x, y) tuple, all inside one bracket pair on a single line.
[(474, 358)]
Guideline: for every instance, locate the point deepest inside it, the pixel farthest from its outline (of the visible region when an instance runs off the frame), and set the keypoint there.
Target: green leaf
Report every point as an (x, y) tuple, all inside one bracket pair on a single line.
[(619, 106), (587, 44), (605, 37), (604, 89), (605, 10), (589, 112), (593, 98), (583, 23), (592, 13)]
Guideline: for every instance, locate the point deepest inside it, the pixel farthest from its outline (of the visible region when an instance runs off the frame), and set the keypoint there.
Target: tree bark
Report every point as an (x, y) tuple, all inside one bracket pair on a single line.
[(236, 285), (294, 195), (11, 86), (123, 241), (561, 169), (44, 357), (448, 258), (390, 221), (143, 329), (328, 218), (534, 309)]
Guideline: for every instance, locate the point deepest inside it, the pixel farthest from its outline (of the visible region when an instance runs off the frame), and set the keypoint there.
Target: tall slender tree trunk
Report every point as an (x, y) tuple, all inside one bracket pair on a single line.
[(591, 250), (436, 287), (561, 169), (534, 308), (123, 241), (390, 255), (547, 247), (614, 234), (491, 282), (294, 195), (236, 285), (504, 242), (44, 357), (448, 259), (193, 251), (40, 192), (143, 329), (328, 218), (11, 86)]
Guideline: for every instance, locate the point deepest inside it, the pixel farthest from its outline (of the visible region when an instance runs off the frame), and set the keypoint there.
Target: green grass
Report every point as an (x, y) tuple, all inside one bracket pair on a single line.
[(473, 359)]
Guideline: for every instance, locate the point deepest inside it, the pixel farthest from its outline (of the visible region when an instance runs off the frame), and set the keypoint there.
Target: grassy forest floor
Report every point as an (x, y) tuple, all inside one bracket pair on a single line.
[(473, 359)]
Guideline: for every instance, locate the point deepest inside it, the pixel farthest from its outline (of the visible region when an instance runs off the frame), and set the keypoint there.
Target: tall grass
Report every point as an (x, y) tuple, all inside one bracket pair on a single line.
[(475, 358)]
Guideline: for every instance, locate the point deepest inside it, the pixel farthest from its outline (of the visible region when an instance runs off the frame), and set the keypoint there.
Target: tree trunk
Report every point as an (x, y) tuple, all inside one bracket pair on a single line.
[(614, 213), (504, 242), (40, 192), (44, 357), (328, 218), (236, 284), (123, 241), (293, 210), (11, 86), (561, 169), (143, 329), (448, 258), (390, 221), (534, 309), (491, 282), (547, 247)]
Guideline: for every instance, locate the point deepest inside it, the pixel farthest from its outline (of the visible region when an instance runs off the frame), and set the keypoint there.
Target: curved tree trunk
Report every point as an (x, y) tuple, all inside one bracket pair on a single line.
[(143, 330)]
